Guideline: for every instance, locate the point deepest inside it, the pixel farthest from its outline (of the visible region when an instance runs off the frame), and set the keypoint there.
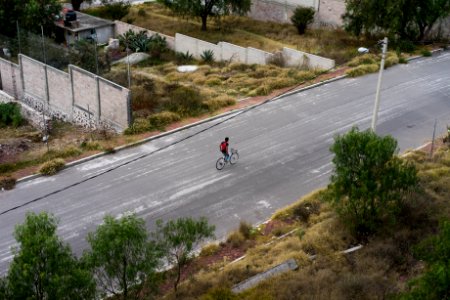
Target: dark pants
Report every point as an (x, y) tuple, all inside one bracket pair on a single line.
[(225, 154)]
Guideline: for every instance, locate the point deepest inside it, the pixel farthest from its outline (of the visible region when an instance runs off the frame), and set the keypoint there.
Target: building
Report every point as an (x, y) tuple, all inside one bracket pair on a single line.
[(76, 26)]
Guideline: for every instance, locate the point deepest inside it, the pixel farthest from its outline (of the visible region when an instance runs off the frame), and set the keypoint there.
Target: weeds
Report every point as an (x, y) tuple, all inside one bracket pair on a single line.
[(7, 183), (52, 167), (425, 53), (363, 70), (10, 115), (161, 120)]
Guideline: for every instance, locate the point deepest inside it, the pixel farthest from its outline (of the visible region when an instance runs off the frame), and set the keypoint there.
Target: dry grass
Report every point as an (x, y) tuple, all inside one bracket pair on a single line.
[(377, 271), (243, 31)]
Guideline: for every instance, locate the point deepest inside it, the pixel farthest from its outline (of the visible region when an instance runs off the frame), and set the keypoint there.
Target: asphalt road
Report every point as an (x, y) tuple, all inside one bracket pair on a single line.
[(284, 153)]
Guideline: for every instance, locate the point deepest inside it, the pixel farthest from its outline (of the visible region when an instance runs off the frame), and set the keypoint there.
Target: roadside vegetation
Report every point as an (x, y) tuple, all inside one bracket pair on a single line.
[(394, 261), (23, 151), (405, 240)]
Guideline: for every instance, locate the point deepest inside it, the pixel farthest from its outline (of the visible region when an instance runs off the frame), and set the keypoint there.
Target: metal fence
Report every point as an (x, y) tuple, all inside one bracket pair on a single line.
[(84, 53)]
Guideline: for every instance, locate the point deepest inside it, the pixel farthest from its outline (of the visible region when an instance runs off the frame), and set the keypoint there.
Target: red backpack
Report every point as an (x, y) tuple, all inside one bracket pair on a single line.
[(223, 146)]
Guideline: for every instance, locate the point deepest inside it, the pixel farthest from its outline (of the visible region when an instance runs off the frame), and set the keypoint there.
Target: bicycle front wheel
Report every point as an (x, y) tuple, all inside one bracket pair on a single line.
[(220, 163), (234, 158)]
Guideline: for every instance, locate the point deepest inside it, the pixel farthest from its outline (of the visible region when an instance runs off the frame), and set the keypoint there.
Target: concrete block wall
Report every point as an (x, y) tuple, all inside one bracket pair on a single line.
[(294, 58), (122, 27), (231, 52), (114, 110), (256, 56), (34, 79), (227, 51), (11, 78), (60, 98), (78, 96)]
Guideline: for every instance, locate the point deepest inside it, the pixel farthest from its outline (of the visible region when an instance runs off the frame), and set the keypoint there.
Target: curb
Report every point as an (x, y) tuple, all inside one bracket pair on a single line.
[(140, 142), (225, 114)]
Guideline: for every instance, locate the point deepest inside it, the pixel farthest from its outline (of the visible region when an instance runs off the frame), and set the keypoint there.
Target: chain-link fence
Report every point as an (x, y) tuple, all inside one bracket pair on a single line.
[(83, 53)]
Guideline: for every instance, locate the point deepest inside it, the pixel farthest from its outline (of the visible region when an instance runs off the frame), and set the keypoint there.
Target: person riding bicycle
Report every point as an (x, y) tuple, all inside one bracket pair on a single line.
[(224, 149)]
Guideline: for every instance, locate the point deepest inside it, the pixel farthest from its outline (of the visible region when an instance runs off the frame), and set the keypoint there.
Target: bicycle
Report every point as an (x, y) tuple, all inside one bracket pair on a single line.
[(221, 162)]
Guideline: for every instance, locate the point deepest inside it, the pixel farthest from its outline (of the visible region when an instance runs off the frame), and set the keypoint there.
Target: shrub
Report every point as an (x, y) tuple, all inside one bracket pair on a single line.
[(362, 70), (369, 182), (306, 209), (157, 45), (162, 119), (138, 126), (426, 53), (218, 103), (213, 81), (245, 229), (304, 75), (302, 17), (279, 83), (263, 90), (207, 56), (142, 12), (366, 59), (10, 114), (110, 150), (392, 59), (52, 167), (236, 239), (185, 101), (222, 293), (90, 145), (7, 183), (143, 97), (209, 250), (111, 10), (184, 58), (402, 60), (136, 42), (64, 153), (405, 46), (435, 282)]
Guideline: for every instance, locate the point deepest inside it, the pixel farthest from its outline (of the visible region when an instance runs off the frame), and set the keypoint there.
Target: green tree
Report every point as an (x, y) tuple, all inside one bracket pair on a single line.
[(369, 181), (123, 257), (205, 8), (434, 284), (405, 19), (30, 14), (302, 17), (43, 267), (178, 238), (83, 54)]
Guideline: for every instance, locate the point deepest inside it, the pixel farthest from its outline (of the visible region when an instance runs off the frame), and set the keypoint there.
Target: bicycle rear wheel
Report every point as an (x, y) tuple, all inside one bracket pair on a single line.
[(220, 163), (234, 158)]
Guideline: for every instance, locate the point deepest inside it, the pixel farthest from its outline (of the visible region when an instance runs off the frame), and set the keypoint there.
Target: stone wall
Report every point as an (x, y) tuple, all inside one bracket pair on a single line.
[(78, 96)]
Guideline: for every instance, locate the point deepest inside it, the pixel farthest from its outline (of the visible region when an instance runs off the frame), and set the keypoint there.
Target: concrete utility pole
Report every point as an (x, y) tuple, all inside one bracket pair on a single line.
[(384, 42)]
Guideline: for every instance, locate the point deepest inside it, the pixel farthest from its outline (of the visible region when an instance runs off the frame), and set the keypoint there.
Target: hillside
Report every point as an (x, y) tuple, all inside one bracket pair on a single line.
[(380, 269)]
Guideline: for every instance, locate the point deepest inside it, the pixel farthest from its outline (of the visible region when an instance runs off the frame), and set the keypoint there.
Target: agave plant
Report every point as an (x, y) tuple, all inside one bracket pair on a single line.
[(184, 58), (207, 56)]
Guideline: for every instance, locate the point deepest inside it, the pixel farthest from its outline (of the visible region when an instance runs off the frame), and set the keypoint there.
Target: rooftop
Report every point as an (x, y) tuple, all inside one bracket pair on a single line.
[(84, 22)]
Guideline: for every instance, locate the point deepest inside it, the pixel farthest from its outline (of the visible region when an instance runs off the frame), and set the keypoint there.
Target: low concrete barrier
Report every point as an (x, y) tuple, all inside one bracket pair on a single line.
[(288, 265)]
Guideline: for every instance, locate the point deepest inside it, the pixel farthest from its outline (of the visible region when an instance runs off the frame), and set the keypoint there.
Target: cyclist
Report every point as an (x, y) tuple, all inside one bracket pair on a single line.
[(224, 149)]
